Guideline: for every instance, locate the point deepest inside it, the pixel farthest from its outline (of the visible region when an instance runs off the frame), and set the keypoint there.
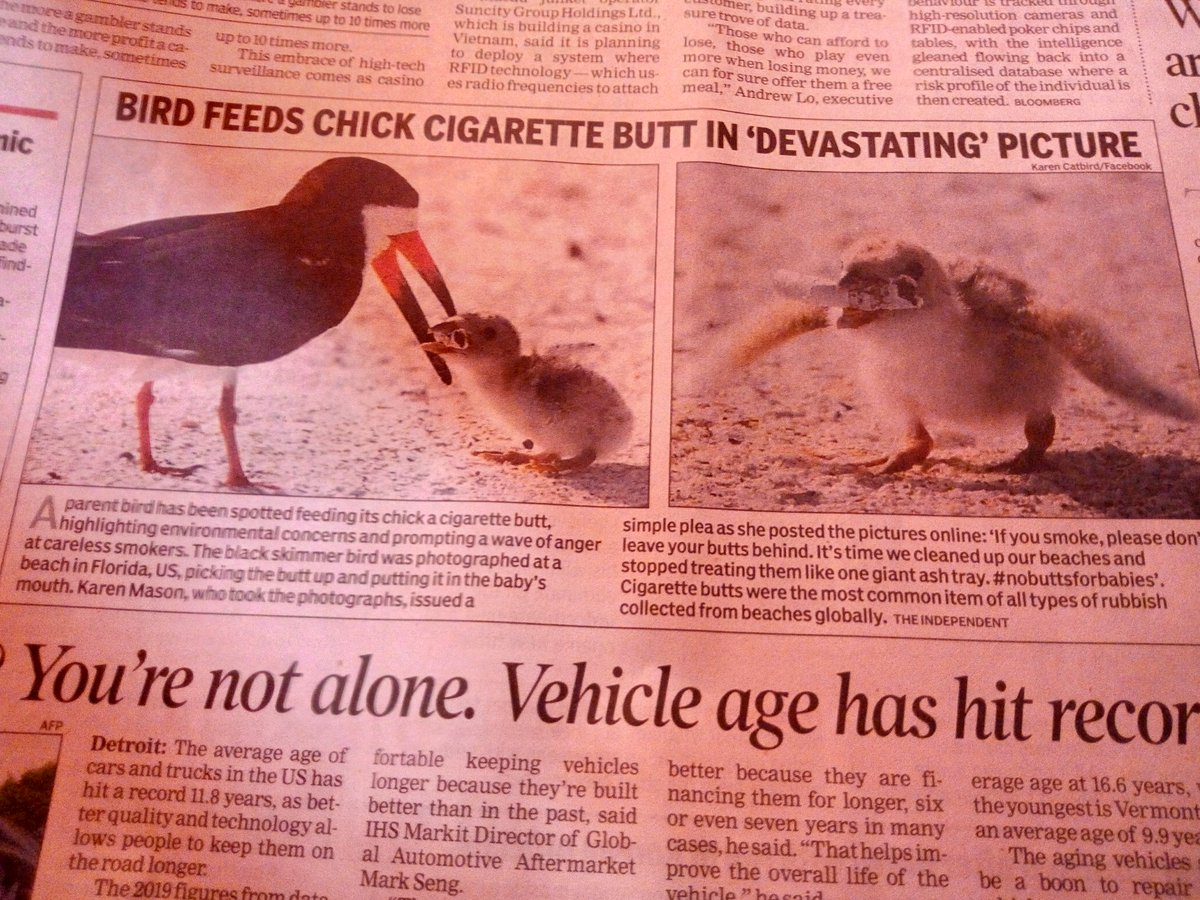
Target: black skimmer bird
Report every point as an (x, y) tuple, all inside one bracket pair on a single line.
[(568, 414), (238, 288)]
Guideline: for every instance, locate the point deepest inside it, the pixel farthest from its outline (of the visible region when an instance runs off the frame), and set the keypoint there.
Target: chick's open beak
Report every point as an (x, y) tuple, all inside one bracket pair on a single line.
[(387, 268), (852, 315), (448, 337)]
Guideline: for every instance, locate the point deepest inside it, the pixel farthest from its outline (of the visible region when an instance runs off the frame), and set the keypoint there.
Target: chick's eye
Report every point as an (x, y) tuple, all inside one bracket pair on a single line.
[(459, 339), (489, 333)]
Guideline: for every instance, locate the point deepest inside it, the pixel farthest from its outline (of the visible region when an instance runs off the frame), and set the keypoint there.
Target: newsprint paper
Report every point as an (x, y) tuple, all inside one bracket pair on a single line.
[(679, 449)]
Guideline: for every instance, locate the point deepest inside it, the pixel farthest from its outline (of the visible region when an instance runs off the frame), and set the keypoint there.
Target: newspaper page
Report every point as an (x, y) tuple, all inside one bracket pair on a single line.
[(693, 449)]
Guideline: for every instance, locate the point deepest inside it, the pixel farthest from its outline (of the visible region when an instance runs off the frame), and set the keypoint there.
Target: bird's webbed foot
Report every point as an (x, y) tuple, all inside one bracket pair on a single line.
[(545, 463), (1028, 460), (1039, 434), (154, 468), (146, 461), (917, 446), (244, 485)]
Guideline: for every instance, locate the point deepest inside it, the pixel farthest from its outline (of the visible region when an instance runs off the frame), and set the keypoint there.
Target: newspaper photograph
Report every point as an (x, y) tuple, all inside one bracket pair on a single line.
[(692, 449)]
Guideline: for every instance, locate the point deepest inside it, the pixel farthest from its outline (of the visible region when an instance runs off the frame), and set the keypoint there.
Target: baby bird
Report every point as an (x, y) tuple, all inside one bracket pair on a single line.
[(568, 414), (970, 344)]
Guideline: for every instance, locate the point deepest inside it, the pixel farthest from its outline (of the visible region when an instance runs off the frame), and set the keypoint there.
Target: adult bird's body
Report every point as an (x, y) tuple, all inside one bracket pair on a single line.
[(238, 288)]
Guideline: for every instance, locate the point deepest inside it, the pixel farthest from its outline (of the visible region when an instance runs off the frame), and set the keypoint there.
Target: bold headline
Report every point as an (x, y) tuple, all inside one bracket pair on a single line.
[(557, 695), (1106, 149)]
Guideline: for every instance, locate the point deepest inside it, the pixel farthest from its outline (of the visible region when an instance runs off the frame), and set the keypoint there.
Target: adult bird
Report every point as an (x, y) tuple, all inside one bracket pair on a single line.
[(238, 288)]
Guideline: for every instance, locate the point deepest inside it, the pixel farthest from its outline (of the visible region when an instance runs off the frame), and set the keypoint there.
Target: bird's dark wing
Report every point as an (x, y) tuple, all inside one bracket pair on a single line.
[(224, 289), (991, 293), (559, 383)]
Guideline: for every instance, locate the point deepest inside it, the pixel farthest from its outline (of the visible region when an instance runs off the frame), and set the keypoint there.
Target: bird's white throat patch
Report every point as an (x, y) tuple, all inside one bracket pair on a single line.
[(381, 222)]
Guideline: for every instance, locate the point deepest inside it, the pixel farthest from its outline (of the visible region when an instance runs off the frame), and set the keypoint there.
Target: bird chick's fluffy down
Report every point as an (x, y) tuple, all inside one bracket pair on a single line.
[(966, 343), (940, 363), (554, 406), (982, 348)]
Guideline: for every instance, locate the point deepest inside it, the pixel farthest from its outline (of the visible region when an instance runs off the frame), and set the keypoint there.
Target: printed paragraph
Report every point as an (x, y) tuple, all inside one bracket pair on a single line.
[(565, 49), (772, 51), (292, 556), (977, 54), (976, 578), (806, 828), (439, 822), (163, 818), (83, 34), (1078, 833)]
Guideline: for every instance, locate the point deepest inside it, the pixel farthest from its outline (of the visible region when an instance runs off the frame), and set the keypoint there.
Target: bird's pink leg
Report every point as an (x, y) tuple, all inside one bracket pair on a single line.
[(145, 399), (227, 416)]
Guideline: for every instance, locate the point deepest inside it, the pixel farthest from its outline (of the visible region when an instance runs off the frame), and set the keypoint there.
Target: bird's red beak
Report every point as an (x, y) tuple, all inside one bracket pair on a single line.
[(387, 267)]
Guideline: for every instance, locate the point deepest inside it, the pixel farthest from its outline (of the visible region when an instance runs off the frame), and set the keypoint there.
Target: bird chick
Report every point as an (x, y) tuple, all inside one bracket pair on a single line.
[(568, 414), (970, 344)]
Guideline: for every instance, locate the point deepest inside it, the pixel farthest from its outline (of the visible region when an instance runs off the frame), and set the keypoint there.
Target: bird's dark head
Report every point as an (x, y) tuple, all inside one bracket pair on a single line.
[(376, 208), (353, 182), (883, 276)]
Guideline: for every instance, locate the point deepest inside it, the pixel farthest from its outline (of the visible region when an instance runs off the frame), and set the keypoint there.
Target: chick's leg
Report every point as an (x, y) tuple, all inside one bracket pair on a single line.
[(917, 444), (1039, 434)]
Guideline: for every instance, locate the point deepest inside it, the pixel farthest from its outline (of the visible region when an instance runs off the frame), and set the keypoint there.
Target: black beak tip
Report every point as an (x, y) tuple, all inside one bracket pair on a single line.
[(439, 366)]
